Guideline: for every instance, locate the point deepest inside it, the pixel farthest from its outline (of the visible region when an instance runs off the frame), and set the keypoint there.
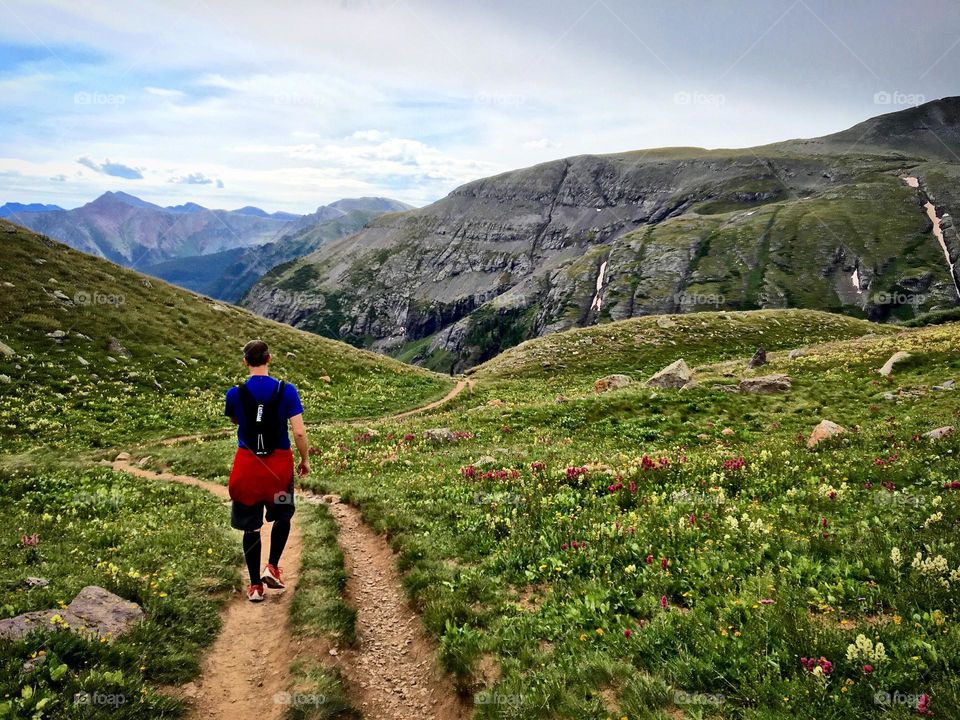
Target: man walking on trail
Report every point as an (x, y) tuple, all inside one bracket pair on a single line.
[(262, 475)]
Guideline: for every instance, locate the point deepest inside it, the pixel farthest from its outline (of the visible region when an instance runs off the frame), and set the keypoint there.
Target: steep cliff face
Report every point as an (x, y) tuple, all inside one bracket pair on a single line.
[(593, 238)]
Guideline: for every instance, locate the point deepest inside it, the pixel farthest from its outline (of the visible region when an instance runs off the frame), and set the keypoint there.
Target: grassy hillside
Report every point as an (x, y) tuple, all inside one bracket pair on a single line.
[(568, 363), (102, 355)]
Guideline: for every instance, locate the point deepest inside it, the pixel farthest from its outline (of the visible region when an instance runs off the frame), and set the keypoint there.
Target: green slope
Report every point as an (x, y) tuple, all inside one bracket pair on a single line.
[(76, 391)]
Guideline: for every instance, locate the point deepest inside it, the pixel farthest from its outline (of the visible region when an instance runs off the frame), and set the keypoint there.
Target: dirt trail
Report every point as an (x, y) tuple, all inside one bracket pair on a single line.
[(392, 674), (248, 664), (454, 391)]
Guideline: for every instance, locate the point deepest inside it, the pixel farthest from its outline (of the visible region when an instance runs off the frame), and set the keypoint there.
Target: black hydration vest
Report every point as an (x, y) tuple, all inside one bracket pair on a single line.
[(264, 426)]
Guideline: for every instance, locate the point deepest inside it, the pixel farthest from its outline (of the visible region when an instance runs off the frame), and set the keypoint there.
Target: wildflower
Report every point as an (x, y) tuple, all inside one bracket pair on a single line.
[(923, 705), (663, 563), (409, 437), (469, 471), (895, 557), (30, 540), (767, 601), (823, 522), (734, 464), (627, 632), (663, 602), (867, 669), (600, 632), (563, 547), (537, 466), (633, 487)]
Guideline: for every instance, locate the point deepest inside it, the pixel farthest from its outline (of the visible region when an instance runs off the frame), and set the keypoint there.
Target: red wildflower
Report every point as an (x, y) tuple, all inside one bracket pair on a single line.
[(627, 632), (663, 563), (649, 559), (867, 669), (663, 602)]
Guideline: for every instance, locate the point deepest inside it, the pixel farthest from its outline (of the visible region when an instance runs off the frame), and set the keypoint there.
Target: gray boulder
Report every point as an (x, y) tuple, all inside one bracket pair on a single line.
[(939, 433), (765, 384), (93, 611), (674, 375)]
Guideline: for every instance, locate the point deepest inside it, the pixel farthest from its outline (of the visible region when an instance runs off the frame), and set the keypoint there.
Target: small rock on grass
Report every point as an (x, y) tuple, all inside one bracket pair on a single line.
[(939, 433), (122, 457), (612, 382), (897, 357), (826, 429)]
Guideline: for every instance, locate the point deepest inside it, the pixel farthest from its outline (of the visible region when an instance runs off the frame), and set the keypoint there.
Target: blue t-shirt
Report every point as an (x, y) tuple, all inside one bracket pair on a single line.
[(262, 387)]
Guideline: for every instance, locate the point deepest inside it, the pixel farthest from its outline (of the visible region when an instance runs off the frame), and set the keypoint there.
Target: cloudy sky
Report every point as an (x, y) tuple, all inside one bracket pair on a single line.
[(289, 105)]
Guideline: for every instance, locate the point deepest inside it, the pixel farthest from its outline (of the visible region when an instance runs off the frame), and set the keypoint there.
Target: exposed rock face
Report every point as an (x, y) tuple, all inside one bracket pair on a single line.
[(765, 384), (675, 375), (897, 357), (588, 239), (826, 429), (612, 382), (94, 610)]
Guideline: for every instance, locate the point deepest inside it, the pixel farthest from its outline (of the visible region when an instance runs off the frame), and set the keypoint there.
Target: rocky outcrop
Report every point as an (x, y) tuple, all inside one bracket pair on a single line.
[(588, 239)]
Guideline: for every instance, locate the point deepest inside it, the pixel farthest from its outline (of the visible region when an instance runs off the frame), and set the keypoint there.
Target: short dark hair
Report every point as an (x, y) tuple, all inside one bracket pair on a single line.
[(256, 353)]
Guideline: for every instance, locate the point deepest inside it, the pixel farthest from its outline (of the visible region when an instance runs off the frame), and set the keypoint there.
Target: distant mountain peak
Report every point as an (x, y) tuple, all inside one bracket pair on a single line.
[(118, 196)]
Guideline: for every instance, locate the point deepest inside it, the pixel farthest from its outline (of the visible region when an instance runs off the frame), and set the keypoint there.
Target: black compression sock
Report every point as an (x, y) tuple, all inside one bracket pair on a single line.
[(251, 553), (278, 538)]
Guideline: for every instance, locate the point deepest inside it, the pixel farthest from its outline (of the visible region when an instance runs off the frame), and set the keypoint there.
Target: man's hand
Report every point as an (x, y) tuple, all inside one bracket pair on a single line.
[(303, 447)]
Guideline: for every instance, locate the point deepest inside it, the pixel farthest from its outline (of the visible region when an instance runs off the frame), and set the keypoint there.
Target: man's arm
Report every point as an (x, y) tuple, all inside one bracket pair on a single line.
[(303, 447)]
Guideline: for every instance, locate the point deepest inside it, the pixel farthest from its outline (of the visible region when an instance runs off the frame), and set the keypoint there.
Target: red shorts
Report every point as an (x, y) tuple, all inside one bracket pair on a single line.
[(259, 479)]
